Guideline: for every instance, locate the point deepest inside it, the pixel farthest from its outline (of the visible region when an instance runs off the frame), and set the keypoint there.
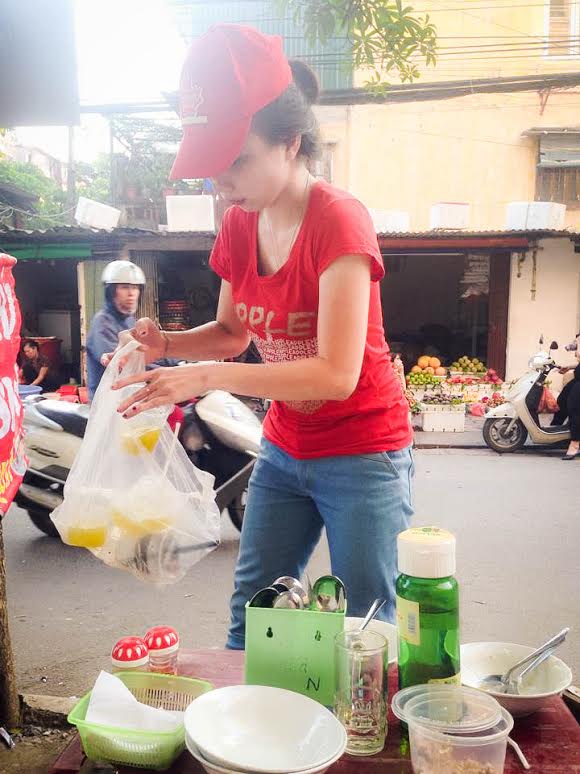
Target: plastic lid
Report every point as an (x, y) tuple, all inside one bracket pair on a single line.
[(426, 552), (130, 652), (450, 709), (162, 639)]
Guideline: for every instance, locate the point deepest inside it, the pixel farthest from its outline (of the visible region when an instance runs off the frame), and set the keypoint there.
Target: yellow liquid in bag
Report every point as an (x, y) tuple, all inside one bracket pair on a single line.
[(135, 443), (142, 527), (86, 537)]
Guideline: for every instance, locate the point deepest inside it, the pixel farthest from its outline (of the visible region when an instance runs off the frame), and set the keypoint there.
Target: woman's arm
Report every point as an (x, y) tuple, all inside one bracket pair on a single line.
[(344, 293), (41, 375), (343, 314)]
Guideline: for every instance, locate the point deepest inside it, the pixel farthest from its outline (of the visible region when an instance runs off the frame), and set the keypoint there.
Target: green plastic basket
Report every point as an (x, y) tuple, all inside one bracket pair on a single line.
[(140, 749)]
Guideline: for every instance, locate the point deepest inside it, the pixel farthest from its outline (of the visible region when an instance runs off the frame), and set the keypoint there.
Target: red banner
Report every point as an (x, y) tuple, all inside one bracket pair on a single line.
[(12, 457)]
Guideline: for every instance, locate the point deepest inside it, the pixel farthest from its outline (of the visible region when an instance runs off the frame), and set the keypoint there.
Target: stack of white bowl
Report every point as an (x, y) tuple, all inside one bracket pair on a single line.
[(255, 729)]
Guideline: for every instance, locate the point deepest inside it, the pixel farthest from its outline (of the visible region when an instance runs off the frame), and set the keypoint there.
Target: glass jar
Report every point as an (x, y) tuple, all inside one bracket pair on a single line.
[(130, 654), (163, 645)]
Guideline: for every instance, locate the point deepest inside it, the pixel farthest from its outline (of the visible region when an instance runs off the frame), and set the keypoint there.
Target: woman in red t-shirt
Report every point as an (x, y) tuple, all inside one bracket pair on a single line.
[(300, 268)]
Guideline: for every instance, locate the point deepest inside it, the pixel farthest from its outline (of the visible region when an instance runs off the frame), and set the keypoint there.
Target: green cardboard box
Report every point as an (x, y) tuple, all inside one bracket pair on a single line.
[(292, 649)]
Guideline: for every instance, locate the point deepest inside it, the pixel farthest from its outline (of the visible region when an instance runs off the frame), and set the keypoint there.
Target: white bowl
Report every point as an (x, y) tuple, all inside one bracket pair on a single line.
[(551, 678), (213, 768), (388, 630), (262, 729)]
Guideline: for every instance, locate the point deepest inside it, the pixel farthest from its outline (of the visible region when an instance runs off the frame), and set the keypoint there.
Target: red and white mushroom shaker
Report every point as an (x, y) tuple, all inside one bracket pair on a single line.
[(130, 654), (163, 644)]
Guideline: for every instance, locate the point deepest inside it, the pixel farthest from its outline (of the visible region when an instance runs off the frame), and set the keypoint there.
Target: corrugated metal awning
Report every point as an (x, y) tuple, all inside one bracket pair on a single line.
[(541, 130)]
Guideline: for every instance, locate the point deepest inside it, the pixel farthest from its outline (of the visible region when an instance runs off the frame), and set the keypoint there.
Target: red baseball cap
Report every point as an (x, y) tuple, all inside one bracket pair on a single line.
[(230, 73)]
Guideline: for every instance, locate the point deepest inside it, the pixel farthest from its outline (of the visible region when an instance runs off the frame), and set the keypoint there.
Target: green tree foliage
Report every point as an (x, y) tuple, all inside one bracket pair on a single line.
[(386, 35)]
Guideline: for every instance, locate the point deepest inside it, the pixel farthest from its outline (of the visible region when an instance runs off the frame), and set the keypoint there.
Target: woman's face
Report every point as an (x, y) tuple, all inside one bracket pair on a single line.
[(258, 176), (30, 352)]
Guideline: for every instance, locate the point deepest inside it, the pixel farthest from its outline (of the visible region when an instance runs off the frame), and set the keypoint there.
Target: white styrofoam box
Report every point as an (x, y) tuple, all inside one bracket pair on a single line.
[(452, 215), (444, 421), (535, 215), (190, 213), (388, 221), (96, 214)]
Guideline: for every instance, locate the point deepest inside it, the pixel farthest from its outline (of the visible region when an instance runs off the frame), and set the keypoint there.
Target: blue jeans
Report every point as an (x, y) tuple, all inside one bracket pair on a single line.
[(364, 501)]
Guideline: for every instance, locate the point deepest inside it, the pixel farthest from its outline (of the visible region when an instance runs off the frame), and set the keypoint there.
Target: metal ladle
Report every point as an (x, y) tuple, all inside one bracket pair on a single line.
[(501, 683)]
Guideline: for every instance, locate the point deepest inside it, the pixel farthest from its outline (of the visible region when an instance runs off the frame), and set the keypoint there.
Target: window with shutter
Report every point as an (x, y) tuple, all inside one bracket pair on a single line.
[(563, 28), (558, 174)]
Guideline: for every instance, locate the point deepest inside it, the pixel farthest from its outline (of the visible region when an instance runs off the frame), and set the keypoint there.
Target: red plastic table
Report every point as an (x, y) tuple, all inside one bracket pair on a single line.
[(550, 738)]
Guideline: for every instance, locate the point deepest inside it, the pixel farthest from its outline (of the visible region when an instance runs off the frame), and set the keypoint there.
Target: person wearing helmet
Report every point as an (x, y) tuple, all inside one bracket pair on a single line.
[(123, 281)]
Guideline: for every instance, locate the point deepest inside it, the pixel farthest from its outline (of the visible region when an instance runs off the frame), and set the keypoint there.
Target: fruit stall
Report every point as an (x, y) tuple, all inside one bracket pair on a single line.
[(442, 395)]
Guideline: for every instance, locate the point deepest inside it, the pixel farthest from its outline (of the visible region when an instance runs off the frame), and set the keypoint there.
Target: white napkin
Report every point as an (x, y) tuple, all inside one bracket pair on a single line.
[(113, 704)]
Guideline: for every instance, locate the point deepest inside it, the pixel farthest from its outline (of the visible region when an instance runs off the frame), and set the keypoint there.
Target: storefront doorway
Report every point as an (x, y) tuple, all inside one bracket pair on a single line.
[(447, 305), (47, 291)]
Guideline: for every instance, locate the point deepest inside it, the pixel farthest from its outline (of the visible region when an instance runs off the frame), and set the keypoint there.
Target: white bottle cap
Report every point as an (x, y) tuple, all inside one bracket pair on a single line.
[(426, 552)]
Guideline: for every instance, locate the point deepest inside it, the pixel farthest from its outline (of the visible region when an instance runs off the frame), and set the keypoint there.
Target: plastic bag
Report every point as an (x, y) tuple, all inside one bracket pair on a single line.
[(133, 497), (548, 403)]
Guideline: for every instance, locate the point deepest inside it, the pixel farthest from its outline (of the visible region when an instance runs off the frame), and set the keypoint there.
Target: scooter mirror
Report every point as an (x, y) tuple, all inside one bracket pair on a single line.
[(541, 341), (554, 345)]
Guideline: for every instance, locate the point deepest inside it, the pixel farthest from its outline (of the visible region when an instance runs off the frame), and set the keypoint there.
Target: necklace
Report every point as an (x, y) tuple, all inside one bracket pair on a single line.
[(279, 258)]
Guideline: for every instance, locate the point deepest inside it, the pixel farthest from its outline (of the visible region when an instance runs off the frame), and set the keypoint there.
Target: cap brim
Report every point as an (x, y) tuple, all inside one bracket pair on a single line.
[(206, 151)]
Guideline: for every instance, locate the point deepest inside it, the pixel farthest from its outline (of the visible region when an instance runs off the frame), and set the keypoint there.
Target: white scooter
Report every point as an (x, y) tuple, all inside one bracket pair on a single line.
[(220, 434), (508, 426)]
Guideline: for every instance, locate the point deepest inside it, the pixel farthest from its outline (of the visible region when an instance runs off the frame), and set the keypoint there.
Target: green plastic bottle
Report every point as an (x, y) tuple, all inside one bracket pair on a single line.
[(427, 608)]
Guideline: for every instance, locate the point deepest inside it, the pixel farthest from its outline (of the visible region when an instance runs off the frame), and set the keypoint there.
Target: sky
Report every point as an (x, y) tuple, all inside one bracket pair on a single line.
[(127, 50)]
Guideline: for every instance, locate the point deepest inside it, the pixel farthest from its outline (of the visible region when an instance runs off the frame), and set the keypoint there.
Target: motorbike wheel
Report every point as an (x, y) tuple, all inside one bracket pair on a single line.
[(497, 438), (42, 521), (236, 510)]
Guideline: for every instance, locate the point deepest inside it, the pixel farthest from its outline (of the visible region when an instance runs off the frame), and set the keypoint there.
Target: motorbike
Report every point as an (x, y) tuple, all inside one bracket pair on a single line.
[(220, 434), (507, 427)]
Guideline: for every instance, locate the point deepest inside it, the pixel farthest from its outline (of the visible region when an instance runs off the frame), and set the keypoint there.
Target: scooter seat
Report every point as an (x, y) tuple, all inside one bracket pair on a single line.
[(72, 417)]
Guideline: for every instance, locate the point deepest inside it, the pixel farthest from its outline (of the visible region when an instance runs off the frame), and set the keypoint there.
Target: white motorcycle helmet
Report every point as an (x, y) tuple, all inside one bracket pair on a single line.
[(123, 273)]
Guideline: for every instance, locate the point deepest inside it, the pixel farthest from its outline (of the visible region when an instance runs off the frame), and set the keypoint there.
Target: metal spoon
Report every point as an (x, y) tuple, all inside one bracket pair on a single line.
[(264, 597), (515, 685), (328, 595), (289, 600), (373, 610), (500, 683), (293, 584)]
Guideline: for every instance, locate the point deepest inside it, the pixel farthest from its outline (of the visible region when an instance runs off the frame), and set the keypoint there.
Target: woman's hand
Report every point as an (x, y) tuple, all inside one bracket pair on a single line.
[(163, 387), (153, 342)]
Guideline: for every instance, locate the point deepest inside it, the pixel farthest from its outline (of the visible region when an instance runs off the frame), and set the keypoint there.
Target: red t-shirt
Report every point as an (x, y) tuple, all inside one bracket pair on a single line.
[(280, 312)]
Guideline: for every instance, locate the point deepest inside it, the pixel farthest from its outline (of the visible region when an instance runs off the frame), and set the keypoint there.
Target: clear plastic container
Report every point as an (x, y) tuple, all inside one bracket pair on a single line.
[(140, 434), (453, 729)]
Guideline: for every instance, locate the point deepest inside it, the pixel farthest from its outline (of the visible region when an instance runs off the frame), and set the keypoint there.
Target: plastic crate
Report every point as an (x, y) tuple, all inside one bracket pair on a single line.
[(140, 749), (444, 420), (292, 649)]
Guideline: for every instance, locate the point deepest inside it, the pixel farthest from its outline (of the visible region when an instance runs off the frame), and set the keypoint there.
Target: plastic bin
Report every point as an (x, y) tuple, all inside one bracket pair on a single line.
[(441, 419), (96, 214), (140, 749), (292, 649), (190, 213)]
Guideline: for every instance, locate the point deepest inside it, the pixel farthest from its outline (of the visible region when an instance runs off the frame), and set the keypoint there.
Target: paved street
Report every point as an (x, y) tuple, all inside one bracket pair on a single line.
[(517, 520)]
